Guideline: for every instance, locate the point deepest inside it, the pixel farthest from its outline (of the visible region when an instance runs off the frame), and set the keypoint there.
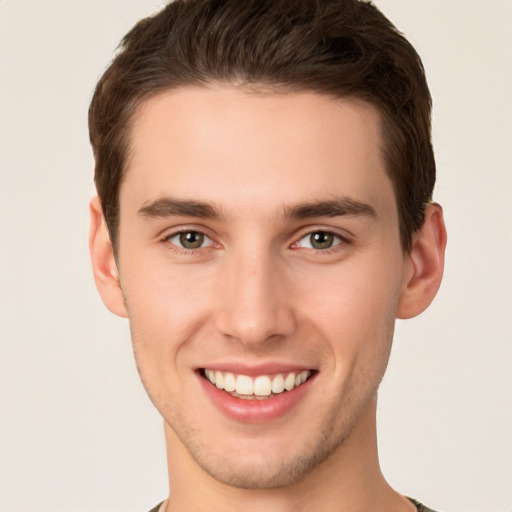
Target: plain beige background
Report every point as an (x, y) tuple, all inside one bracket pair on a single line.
[(77, 432)]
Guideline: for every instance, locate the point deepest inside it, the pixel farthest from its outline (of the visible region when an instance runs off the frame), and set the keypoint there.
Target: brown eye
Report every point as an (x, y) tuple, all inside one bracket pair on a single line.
[(320, 240), (190, 240)]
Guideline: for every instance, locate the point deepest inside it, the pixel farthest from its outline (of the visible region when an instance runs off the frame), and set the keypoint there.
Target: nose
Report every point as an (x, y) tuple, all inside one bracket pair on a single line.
[(254, 303)]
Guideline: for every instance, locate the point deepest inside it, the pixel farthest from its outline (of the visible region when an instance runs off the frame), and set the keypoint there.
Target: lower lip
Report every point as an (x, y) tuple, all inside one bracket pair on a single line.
[(255, 411)]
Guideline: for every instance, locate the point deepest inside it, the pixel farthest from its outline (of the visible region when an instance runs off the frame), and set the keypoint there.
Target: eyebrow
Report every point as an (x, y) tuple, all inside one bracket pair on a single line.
[(330, 208), (169, 206)]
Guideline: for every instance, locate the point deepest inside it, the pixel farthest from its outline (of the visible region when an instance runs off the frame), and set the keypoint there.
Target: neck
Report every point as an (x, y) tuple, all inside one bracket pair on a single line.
[(350, 479)]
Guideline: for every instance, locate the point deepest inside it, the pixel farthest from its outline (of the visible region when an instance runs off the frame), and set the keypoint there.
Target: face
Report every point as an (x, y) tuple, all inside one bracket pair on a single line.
[(261, 268)]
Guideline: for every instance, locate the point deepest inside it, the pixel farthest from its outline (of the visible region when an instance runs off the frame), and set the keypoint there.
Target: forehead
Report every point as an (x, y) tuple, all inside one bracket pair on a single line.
[(242, 149)]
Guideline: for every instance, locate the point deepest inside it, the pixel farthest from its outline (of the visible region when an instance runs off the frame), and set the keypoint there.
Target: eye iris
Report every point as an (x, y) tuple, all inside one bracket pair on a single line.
[(191, 239), (321, 240)]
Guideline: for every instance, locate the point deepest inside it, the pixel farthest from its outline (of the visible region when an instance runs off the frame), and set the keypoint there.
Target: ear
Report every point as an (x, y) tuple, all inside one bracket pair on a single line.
[(104, 264), (425, 264)]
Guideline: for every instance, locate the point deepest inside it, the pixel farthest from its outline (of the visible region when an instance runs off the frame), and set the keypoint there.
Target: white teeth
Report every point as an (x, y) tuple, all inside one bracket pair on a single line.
[(278, 384), (289, 382), (219, 380), (244, 385), (261, 386), (229, 382)]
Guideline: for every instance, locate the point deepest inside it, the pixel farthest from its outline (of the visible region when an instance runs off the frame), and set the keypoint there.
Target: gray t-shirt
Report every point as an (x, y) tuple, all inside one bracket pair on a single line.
[(420, 507)]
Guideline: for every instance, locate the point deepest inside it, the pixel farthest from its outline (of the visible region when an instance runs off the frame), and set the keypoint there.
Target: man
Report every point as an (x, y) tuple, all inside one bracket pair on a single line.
[(265, 173)]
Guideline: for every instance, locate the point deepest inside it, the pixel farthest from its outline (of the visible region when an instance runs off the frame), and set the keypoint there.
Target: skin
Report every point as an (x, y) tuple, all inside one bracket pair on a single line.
[(257, 291)]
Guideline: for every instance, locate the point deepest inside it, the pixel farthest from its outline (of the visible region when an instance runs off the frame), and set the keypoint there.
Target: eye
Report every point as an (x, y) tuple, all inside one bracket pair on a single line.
[(319, 240), (190, 240)]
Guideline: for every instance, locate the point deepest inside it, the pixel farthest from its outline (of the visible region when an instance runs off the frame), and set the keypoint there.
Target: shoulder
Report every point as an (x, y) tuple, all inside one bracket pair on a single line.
[(157, 508), (419, 506)]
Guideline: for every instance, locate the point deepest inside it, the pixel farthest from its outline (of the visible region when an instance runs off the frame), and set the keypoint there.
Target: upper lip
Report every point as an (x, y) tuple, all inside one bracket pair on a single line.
[(253, 370)]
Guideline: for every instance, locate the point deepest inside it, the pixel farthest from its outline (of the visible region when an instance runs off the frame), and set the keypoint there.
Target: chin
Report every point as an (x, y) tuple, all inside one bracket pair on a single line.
[(245, 475), (265, 468)]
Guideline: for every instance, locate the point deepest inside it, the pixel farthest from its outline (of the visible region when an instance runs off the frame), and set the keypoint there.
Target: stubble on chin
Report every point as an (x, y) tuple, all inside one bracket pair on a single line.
[(262, 470)]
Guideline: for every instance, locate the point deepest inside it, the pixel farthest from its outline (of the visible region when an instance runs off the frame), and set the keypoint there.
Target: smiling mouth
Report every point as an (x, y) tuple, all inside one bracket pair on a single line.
[(258, 388)]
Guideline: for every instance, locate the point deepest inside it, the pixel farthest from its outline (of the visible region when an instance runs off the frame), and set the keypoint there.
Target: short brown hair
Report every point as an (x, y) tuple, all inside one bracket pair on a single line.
[(343, 48)]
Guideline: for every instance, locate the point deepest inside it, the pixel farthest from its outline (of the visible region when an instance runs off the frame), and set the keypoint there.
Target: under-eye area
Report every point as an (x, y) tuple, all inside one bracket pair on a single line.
[(259, 387)]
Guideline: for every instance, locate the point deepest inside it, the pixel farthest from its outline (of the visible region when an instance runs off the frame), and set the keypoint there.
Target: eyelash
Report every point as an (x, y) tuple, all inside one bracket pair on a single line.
[(341, 240), (183, 250)]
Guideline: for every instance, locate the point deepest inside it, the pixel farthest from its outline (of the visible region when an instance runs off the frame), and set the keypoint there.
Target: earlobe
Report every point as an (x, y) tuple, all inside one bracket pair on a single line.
[(104, 265), (425, 264)]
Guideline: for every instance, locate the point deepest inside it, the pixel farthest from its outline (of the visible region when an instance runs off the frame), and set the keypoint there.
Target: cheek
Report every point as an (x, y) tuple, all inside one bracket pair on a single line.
[(166, 309), (164, 313), (160, 294), (356, 310)]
